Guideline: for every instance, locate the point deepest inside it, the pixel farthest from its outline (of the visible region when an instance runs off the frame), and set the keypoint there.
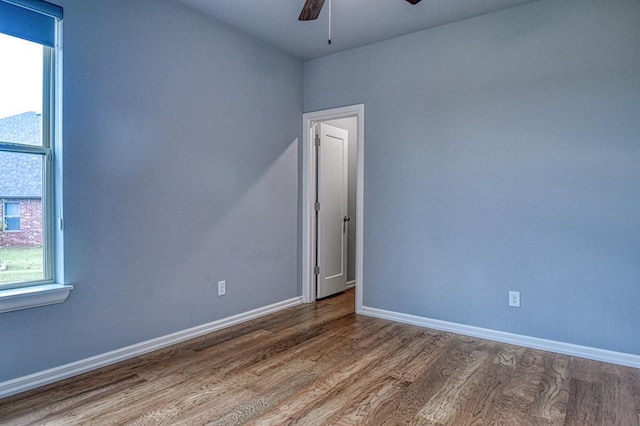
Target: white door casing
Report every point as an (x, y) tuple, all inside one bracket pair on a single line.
[(308, 257), (332, 218)]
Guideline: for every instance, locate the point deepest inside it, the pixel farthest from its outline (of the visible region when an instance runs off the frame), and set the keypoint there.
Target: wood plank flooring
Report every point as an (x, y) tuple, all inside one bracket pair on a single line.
[(320, 364)]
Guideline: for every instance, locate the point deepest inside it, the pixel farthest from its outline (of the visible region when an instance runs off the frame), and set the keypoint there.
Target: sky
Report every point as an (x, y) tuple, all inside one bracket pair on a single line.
[(20, 76)]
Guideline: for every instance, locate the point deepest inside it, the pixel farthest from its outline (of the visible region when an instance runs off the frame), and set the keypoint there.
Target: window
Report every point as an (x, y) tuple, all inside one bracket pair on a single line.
[(11, 216), (28, 54)]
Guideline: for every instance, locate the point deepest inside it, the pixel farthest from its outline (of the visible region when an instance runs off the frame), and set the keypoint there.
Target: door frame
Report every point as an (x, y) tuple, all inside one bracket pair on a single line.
[(308, 198)]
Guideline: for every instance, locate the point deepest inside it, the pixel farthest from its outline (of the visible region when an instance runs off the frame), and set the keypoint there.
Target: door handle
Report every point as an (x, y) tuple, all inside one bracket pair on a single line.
[(344, 223)]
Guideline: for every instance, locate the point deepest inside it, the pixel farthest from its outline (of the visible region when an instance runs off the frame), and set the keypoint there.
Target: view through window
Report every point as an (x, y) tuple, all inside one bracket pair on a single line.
[(25, 158)]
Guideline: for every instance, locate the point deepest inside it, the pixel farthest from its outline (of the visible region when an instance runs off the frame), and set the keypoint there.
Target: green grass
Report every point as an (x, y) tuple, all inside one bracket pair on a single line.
[(23, 264)]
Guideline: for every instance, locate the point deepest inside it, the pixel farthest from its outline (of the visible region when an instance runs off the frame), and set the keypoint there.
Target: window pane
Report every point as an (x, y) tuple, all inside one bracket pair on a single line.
[(21, 233), (11, 209), (12, 223), (21, 86)]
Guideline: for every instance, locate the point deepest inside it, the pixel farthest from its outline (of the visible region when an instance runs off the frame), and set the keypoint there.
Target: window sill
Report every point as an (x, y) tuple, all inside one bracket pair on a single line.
[(31, 297)]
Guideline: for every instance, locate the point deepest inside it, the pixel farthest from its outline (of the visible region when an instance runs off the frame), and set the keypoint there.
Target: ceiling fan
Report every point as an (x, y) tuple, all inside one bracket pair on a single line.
[(312, 8)]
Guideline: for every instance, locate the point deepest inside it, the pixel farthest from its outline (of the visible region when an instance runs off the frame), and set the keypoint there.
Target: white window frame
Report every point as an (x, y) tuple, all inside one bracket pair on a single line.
[(51, 289)]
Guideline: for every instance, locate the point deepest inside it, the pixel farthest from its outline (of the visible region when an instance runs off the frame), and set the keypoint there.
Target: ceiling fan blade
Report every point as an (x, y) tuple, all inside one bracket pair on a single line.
[(414, 1), (311, 10)]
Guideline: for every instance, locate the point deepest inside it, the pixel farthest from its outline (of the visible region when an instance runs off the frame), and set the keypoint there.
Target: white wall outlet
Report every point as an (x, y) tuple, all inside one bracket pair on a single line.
[(514, 299), (222, 288)]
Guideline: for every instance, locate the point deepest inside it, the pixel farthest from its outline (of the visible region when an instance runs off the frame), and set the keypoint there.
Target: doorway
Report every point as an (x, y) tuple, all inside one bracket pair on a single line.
[(312, 122)]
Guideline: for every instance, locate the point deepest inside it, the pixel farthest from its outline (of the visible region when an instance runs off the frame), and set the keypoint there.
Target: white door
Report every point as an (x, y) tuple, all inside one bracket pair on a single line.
[(332, 219)]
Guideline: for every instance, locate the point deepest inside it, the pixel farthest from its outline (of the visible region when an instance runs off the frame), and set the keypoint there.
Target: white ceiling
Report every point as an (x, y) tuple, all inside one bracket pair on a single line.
[(355, 22)]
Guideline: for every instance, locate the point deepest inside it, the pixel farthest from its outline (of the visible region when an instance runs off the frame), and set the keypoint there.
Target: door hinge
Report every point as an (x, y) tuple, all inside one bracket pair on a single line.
[(316, 270), (317, 140), (317, 206)]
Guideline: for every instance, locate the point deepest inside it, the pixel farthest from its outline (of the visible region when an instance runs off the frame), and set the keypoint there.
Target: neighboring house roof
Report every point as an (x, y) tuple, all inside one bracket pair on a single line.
[(23, 128), (21, 174)]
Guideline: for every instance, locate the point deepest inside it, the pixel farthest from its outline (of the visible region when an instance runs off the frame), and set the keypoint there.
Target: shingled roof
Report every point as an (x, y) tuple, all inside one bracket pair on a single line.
[(21, 174), (23, 128)]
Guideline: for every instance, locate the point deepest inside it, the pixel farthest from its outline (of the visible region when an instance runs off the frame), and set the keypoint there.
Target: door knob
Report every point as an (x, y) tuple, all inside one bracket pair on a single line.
[(347, 219)]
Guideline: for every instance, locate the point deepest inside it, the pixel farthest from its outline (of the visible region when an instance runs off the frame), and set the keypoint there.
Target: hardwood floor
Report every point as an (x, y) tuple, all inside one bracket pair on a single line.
[(320, 364)]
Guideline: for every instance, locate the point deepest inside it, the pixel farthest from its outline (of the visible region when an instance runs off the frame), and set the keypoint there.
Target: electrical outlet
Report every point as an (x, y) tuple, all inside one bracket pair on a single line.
[(222, 288), (514, 299)]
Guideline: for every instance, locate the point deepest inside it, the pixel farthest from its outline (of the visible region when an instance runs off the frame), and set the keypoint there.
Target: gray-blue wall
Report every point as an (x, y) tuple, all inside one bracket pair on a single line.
[(503, 153), (181, 169)]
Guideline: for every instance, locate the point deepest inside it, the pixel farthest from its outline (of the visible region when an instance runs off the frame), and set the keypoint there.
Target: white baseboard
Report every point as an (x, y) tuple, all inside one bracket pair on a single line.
[(351, 284), (32, 381), (595, 354)]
